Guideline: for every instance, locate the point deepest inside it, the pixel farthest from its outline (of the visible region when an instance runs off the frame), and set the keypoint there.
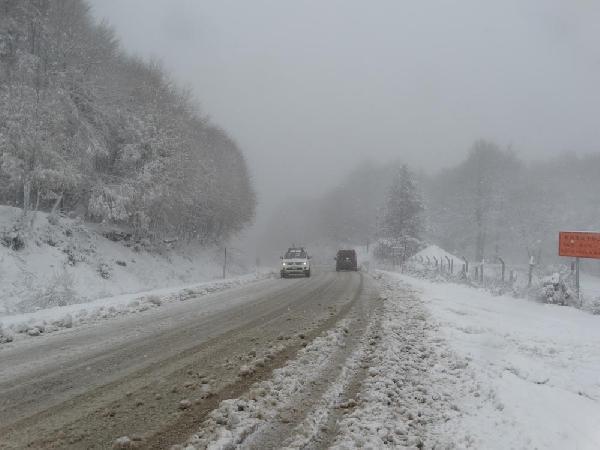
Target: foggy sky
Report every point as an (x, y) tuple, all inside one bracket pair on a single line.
[(309, 89)]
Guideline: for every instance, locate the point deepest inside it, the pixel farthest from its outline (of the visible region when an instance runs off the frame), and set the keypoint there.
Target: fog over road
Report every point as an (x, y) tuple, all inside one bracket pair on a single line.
[(85, 387)]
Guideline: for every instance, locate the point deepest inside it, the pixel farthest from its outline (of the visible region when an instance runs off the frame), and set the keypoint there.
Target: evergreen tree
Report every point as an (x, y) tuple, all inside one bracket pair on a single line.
[(402, 215)]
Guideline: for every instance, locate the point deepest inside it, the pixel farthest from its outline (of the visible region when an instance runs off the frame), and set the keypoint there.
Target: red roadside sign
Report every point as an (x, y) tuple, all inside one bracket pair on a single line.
[(579, 244)]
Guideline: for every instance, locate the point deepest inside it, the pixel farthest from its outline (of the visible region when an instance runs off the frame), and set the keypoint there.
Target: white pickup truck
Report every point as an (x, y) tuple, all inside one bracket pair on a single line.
[(295, 262)]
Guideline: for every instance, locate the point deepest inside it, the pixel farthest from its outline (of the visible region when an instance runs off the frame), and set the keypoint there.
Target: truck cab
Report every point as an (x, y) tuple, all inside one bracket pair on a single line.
[(346, 260), (295, 262)]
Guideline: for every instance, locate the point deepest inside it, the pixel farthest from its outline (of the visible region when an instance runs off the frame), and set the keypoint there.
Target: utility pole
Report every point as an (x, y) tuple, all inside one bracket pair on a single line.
[(530, 275)]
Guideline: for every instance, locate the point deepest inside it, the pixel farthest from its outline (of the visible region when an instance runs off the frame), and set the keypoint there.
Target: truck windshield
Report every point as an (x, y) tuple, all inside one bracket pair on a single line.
[(295, 253)]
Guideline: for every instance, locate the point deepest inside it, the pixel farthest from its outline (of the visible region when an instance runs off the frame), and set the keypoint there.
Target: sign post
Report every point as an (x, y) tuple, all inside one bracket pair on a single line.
[(579, 244), (577, 279)]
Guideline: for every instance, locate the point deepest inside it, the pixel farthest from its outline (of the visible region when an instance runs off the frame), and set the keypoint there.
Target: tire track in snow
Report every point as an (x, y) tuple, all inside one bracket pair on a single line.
[(268, 413)]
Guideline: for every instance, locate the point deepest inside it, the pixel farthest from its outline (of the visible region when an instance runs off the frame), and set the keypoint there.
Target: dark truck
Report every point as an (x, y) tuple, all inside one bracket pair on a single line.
[(346, 260)]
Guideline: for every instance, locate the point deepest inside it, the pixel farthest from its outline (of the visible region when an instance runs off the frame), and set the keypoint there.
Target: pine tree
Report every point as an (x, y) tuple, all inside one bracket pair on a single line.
[(402, 216)]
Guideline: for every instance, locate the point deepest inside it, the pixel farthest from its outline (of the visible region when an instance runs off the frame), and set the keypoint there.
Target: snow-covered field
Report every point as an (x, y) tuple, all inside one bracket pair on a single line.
[(535, 368), (590, 286)]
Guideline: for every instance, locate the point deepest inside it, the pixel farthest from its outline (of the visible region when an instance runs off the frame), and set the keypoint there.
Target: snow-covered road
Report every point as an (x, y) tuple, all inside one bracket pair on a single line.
[(340, 360), (84, 387)]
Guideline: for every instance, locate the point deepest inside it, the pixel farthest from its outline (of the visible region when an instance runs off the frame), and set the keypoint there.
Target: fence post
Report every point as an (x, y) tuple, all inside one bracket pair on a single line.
[(449, 264), (503, 267), (466, 265)]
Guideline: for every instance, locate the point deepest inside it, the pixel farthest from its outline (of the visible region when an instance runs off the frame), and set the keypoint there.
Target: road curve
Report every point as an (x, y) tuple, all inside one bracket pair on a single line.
[(85, 387)]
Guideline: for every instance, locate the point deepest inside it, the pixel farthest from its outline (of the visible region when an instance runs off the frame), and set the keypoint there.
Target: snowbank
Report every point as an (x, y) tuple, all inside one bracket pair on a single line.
[(65, 261), (536, 369), (433, 251), (50, 320), (412, 379)]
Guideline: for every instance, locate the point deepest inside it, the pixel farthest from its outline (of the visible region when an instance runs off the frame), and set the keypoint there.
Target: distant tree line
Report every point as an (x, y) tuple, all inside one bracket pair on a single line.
[(490, 204), (494, 204), (93, 131)]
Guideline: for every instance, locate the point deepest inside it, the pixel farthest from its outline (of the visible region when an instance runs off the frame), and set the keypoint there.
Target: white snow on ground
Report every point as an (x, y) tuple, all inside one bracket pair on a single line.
[(50, 320), (65, 261), (536, 368), (411, 385), (590, 286)]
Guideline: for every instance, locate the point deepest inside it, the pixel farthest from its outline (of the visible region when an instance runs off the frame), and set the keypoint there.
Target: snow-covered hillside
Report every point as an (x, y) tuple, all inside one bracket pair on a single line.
[(433, 251), (64, 261)]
